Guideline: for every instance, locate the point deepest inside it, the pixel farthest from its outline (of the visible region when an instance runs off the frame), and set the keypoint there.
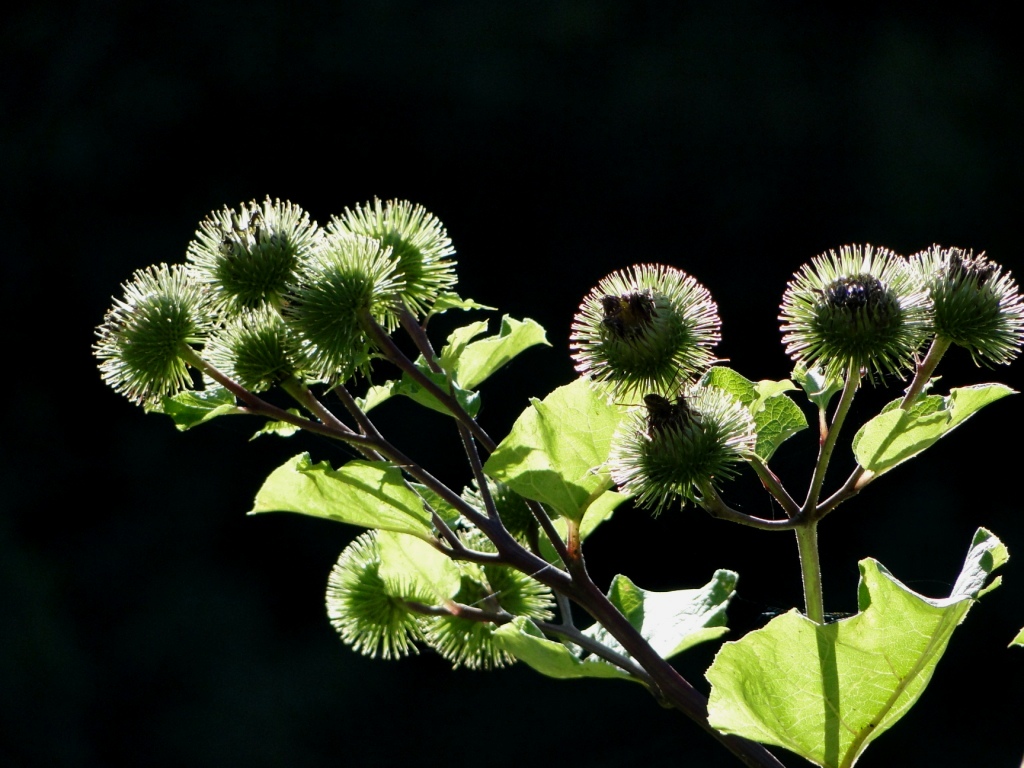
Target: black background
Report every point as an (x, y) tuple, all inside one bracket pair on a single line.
[(147, 620)]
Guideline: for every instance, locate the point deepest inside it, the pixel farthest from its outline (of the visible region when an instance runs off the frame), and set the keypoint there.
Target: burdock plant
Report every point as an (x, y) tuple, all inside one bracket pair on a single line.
[(493, 573)]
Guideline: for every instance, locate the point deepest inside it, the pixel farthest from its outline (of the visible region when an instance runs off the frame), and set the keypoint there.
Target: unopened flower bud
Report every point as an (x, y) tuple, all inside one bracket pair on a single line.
[(860, 308), (976, 305), (645, 329), (420, 247), (247, 256), (143, 336), (668, 450)]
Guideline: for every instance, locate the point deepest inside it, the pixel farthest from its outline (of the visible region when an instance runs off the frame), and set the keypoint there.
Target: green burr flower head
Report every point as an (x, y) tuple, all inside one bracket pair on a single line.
[(366, 615), (861, 307), (346, 280), (256, 348), (419, 245), (249, 255), (469, 643), (645, 329), (142, 340), (668, 450), (976, 305)]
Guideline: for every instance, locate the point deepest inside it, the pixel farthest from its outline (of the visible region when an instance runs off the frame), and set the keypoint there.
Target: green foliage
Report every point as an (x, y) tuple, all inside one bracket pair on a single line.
[(279, 428), (473, 362), (896, 435), (190, 409), (671, 621), (370, 494), (410, 564), (527, 643), (557, 448), (467, 362), (776, 416), (819, 388), (414, 390), (447, 300), (827, 691)]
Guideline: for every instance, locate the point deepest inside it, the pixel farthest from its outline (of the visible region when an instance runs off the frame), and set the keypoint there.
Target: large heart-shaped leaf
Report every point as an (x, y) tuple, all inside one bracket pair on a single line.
[(827, 691)]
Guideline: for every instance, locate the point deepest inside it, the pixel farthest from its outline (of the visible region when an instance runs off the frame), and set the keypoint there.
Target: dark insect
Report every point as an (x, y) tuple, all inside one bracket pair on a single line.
[(627, 315), (663, 414), (612, 320), (964, 268), (855, 292)]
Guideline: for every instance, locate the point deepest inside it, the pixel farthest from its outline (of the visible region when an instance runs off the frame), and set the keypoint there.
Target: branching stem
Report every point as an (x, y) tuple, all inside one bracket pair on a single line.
[(940, 345), (853, 376), (774, 486), (384, 342), (860, 477), (713, 504), (260, 407)]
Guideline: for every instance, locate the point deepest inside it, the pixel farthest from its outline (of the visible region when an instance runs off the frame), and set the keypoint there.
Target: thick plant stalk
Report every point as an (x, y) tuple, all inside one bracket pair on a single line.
[(673, 688)]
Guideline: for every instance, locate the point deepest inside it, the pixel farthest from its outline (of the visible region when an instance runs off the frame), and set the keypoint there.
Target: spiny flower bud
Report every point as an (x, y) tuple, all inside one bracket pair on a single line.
[(249, 255), (362, 609), (669, 450), (859, 308), (976, 305), (256, 348), (644, 329), (419, 245), (143, 336), (346, 278)]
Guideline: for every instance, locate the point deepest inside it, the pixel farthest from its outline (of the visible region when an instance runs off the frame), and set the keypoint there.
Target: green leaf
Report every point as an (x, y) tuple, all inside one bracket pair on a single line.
[(279, 428), (777, 421), (448, 301), (470, 401), (557, 448), (445, 511), (378, 394), (1019, 639), (458, 340), (896, 435), (408, 387), (192, 408), (371, 494), (409, 565), (776, 416), (827, 691), (671, 621), (473, 362), (818, 388), (735, 384), (526, 642)]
